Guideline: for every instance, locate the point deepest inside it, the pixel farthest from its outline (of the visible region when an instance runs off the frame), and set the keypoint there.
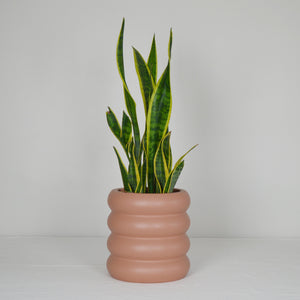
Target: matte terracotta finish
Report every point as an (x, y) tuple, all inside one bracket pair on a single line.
[(148, 225), (148, 241), (148, 248)]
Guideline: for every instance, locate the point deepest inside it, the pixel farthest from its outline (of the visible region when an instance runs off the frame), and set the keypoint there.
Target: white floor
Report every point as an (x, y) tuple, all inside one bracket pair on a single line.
[(74, 268)]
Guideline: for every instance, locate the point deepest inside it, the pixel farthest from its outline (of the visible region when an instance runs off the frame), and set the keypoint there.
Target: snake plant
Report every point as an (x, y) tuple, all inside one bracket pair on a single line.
[(149, 156)]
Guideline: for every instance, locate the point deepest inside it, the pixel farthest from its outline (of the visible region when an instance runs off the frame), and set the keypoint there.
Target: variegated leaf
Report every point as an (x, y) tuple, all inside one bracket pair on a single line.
[(126, 129), (145, 78), (157, 121), (152, 60), (124, 173), (167, 188)]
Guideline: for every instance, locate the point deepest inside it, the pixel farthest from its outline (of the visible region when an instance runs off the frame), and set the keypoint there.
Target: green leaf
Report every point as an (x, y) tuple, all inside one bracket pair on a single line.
[(160, 168), (168, 187), (139, 188), (123, 172), (131, 108), (143, 174), (168, 151), (144, 167), (113, 123), (133, 171), (145, 78), (157, 121), (126, 129), (130, 104), (170, 44), (120, 59), (173, 178), (131, 175), (152, 60), (141, 149), (116, 129), (160, 165)]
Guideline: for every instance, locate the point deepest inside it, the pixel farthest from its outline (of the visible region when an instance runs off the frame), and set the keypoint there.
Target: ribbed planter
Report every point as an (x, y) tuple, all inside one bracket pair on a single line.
[(148, 241)]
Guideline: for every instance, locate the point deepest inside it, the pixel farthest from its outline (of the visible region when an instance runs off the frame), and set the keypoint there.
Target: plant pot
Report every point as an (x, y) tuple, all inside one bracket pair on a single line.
[(148, 241)]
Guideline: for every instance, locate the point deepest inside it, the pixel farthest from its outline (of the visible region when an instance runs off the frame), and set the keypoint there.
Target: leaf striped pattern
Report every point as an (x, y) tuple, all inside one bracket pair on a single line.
[(157, 121), (115, 128), (126, 129), (145, 78), (152, 60), (170, 181), (120, 59), (123, 172), (133, 171), (167, 151), (113, 123), (131, 108), (160, 167), (150, 159), (130, 103)]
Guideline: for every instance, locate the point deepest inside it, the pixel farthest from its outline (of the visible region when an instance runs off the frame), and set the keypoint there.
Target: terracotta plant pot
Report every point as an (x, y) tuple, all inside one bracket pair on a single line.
[(148, 241)]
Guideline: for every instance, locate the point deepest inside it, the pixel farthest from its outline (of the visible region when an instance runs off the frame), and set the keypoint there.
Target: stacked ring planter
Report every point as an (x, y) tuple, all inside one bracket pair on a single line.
[(148, 241)]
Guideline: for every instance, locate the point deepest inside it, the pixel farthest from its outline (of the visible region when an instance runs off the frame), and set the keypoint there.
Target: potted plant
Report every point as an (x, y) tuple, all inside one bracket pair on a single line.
[(148, 219)]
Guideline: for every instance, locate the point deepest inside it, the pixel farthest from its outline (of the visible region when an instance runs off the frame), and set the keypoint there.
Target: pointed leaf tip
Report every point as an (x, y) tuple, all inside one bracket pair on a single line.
[(170, 43), (120, 59), (145, 78), (152, 60)]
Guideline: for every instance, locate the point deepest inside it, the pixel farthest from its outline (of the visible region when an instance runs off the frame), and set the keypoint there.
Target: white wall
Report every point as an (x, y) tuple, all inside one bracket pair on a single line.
[(236, 92)]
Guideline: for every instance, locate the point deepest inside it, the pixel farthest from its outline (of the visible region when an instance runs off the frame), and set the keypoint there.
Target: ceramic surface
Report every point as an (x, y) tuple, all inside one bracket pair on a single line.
[(148, 241)]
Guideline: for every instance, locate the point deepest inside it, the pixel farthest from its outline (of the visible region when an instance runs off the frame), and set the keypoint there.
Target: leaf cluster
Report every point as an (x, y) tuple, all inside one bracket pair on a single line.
[(150, 168)]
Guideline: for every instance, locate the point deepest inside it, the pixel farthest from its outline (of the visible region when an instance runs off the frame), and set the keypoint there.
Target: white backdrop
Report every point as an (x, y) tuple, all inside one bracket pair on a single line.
[(235, 80)]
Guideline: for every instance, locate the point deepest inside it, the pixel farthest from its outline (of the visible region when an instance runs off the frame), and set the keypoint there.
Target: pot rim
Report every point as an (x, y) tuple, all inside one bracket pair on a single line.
[(149, 203), (121, 190)]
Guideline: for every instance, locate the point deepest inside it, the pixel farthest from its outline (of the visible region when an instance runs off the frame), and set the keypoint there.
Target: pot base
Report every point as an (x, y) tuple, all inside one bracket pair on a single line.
[(148, 271)]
